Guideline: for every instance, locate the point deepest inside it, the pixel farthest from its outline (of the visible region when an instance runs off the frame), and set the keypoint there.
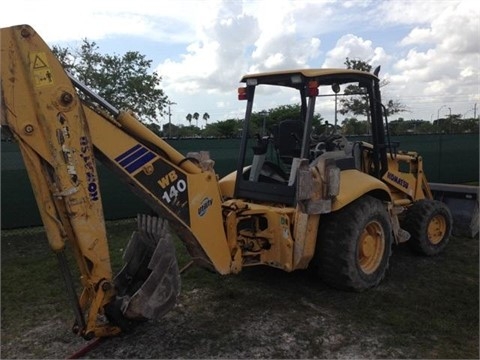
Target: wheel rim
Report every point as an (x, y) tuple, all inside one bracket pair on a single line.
[(437, 229), (372, 247)]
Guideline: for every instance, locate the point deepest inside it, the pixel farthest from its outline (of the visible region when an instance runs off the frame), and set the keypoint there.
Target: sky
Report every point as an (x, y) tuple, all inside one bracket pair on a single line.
[(429, 50)]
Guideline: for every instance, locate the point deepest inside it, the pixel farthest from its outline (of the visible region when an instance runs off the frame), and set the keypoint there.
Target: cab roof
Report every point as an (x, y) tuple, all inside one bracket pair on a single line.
[(324, 76)]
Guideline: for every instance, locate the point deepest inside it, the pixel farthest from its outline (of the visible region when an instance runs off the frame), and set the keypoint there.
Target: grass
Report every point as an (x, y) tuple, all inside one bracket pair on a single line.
[(425, 308)]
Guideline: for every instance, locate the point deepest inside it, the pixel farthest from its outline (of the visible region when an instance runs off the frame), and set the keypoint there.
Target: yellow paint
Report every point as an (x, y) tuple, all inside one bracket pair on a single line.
[(41, 72), (227, 185), (353, 184)]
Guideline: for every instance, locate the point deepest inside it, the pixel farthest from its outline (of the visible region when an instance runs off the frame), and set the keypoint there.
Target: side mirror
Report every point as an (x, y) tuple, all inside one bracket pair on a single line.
[(336, 88)]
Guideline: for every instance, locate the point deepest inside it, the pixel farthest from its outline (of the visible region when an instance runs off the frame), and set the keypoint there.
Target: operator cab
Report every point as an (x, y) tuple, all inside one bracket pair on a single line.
[(274, 145)]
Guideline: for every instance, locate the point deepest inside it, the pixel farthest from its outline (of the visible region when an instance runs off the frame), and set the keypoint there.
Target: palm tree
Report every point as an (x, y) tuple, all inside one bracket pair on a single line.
[(196, 116), (206, 117), (189, 119)]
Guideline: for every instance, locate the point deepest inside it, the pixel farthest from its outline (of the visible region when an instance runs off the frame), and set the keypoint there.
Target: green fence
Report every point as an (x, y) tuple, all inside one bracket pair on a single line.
[(447, 159), (452, 159)]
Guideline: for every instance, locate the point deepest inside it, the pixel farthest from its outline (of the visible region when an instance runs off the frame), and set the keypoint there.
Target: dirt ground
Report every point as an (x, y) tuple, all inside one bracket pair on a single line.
[(188, 333), (265, 313), (262, 333)]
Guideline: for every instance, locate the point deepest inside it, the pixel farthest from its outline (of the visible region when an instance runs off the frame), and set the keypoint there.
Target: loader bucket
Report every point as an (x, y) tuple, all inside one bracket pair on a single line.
[(462, 200), (149, 283)]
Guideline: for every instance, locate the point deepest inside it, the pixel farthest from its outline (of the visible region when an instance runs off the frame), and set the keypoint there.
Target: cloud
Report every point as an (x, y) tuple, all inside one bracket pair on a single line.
[(410, 12), (242, 38), (429, 50), (441, 65), (454, 30), (58, 22), (216, 59), (354, 47)]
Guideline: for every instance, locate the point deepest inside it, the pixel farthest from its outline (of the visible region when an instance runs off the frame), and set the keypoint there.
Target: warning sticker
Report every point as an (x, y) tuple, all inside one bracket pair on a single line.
[(42, 75)]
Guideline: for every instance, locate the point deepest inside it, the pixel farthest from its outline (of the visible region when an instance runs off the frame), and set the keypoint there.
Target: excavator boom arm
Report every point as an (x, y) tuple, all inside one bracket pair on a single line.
[(59, 135)]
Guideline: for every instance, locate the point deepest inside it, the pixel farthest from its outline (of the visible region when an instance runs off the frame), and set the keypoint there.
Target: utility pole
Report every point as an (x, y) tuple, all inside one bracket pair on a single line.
[(263, 114), (438, 118), (336, 90), (169, 103), (438, 112)]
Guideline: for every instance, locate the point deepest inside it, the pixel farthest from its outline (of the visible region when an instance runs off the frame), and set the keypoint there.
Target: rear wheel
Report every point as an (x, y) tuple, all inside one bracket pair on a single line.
[(429, 223), (354, 245)]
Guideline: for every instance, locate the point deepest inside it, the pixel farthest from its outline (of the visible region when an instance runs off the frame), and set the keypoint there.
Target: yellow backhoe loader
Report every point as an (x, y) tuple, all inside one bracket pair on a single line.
[(299, 198)]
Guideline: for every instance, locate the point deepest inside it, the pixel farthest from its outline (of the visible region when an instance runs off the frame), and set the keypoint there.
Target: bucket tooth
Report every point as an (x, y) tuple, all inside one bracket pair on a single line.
[(149, 282)]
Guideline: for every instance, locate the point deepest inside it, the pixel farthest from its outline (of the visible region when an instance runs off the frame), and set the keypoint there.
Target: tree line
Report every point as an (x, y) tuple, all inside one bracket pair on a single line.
[(127, 82)]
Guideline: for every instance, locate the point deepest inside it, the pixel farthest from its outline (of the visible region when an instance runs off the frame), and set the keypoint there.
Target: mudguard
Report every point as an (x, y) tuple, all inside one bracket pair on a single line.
[(354, 183)]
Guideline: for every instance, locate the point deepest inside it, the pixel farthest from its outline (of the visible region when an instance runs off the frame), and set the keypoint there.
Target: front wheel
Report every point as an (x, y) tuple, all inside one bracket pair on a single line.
[(354, 245), (429, 223)]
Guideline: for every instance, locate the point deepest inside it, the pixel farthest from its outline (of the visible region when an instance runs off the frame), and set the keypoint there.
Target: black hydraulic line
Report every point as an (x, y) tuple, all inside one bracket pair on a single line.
[(94, 96), (72, 294)]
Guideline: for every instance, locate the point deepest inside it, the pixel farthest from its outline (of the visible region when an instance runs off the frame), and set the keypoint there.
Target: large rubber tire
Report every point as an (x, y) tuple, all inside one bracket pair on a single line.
[(354, 245), (429, 223)]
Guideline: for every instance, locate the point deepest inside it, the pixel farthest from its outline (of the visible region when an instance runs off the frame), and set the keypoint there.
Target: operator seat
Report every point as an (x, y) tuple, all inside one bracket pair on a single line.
[(288, 136)]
